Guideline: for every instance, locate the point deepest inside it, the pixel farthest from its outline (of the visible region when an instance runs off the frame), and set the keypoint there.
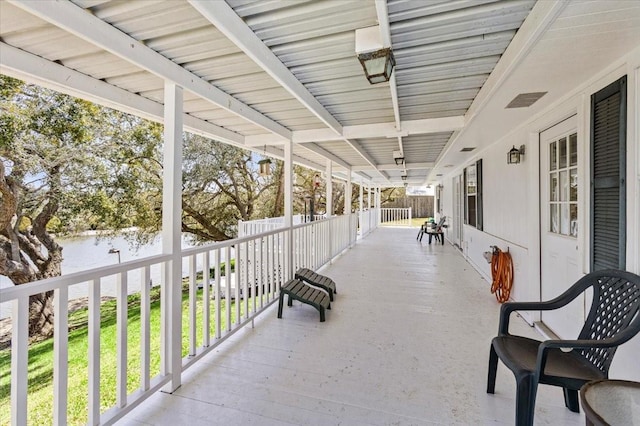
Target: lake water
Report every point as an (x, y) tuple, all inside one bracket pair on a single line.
[(88, 252)]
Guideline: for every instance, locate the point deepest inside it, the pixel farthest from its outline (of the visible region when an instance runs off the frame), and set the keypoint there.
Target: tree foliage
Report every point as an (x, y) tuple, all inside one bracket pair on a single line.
[(220, 186), (67, 166)]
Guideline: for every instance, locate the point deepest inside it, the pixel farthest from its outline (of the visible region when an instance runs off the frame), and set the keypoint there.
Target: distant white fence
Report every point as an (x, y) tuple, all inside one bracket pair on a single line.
[(229, 284), (258, 226), (395, 216)]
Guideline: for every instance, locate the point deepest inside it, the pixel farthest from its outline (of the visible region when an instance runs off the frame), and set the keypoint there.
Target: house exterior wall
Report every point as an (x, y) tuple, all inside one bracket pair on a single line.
[(511, 205)]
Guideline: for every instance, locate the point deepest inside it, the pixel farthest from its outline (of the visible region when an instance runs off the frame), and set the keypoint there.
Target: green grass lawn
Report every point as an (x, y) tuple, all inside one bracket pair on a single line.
[(40, 401)]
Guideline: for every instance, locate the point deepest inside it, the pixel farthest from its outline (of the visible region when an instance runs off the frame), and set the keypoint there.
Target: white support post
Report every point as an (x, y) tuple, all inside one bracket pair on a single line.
[(329, 188), (288, 203), (329, 209), (378, 193), (171, 226), (360, 209), (347, 202), (369, 207), (347, 194)]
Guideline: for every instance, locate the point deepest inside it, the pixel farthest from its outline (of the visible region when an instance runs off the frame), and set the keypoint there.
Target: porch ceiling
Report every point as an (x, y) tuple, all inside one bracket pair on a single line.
[(257, 72)]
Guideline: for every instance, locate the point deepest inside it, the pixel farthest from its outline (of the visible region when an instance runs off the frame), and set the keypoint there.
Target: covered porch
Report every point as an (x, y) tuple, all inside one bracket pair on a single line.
[(407, 339), (406, 342)]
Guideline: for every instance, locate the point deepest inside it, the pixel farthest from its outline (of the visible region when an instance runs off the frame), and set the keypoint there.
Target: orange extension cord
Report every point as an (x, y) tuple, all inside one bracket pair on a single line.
[(502, 274)]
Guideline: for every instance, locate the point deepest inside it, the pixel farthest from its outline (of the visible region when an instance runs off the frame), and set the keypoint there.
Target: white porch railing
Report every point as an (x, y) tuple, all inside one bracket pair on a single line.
[(258, 226), (228, 300), (395, 216), (367, 221)]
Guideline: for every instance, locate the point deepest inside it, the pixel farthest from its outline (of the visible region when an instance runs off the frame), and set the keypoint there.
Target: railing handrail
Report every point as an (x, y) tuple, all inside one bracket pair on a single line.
[(48, 284), (263, 262)]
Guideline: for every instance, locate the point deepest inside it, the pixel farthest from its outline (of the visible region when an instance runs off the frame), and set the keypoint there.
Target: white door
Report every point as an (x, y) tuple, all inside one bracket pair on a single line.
[(559, 153)]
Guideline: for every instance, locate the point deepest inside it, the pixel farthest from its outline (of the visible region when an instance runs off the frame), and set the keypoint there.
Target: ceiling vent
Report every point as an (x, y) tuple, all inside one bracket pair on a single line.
[(524, 100), (468, 149)]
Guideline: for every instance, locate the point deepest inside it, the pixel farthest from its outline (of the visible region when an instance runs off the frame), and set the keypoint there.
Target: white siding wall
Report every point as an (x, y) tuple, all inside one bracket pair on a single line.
[(511, 196)]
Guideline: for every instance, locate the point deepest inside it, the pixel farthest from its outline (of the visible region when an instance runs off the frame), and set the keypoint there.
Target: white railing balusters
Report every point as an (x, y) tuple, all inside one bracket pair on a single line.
[(121, 339), (60, 354), (94, 352), (396, 216), (193, 299), (227, 283), (270, 267), (237, 290), (206, 300), (248, 276), (260, 272), (262, 264), (216, 293), (145, 328), (19, 360)]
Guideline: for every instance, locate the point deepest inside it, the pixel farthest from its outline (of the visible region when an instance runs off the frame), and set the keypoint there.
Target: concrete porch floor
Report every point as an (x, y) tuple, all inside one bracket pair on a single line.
[(405, 343)]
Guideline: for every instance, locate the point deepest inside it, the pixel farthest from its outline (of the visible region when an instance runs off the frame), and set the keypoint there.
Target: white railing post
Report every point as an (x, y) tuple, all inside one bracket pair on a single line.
[(193, 295), (19, 360), (206, 300), (145, 328), (216, 291), (61, 355), (121, 339), (94, 352)]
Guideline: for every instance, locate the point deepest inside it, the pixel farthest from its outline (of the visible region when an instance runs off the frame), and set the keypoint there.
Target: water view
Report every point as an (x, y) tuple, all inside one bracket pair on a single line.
[(86, 252)]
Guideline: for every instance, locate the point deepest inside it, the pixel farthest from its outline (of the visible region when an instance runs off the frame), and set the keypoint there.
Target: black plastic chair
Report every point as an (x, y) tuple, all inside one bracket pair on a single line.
[(614, 318)]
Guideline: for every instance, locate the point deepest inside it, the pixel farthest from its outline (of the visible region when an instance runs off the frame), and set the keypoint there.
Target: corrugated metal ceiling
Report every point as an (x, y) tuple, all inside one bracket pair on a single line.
[(445, 51)]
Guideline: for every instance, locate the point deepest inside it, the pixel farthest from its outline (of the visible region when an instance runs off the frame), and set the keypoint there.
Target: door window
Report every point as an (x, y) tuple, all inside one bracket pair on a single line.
[(563, 185)]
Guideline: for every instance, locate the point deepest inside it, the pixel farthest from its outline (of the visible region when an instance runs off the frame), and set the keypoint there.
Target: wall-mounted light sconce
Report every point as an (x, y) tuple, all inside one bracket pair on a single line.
[(376, 59), (515, 155), (398, 157), (316, 180), (404, 177)]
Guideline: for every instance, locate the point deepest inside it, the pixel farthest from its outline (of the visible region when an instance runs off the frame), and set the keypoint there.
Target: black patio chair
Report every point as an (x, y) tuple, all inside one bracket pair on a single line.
[(433, 230), (614, 318)]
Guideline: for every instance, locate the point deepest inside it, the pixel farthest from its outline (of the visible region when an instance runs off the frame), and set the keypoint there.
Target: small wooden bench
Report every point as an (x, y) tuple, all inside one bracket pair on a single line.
[(304, 293), (317, 280)]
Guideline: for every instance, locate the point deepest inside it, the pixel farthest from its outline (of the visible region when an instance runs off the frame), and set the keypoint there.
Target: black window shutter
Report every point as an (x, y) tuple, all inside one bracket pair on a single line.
[(479, 195), (466, 198), (608, 173)]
